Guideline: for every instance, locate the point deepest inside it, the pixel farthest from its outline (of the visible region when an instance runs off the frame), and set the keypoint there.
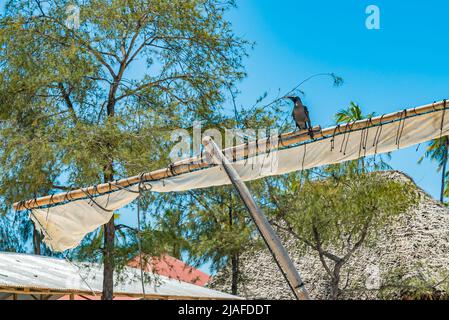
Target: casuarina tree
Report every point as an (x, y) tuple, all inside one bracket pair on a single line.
[(90, 89)]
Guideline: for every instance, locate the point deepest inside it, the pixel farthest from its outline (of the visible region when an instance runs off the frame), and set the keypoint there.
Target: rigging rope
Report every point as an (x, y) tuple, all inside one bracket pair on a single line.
[(442, 119), (79, 273), (401, 126)]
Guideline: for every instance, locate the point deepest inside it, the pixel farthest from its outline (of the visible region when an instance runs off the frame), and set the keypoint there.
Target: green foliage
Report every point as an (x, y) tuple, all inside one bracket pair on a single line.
[(221, 226), (336, 210), (340, 206), (87, 105), (419, 284), (351, 114), (70, 104), (437, 151), (9, 240)]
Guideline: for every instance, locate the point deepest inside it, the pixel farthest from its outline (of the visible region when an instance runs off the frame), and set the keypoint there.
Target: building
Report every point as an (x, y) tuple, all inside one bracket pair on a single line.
[(31, 277)]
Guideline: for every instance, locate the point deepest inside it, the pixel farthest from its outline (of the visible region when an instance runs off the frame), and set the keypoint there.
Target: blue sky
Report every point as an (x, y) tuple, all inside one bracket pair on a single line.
[(404, 64)]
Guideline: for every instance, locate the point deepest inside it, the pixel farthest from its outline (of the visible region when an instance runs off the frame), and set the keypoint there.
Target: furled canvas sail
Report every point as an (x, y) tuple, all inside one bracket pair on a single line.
[(65, 225)]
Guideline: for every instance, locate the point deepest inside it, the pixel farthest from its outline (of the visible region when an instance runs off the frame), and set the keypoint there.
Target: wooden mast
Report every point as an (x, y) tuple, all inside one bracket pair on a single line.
[(270, 237), (237, 152)]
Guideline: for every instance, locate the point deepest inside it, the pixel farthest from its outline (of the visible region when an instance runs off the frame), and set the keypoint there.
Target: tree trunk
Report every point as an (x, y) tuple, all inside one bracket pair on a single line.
[(235, 274), (335, 282), (443, 174), (234, 256), (109, 228), (108, 260), (37, 240)]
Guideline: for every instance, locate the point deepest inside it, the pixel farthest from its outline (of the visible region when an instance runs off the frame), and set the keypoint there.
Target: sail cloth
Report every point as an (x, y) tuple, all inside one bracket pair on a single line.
[(65, 225)]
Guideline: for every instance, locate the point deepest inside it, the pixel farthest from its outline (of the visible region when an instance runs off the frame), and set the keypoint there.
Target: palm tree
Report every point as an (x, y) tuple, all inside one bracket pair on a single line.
[(351, 114), (438, 151)]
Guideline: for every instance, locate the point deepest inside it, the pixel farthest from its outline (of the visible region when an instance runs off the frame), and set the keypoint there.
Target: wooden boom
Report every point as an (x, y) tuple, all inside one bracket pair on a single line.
[(234, 153)]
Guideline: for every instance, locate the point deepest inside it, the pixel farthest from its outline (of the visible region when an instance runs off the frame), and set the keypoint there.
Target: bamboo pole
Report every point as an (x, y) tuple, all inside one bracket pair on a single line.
[(270, 237), (237, 152)]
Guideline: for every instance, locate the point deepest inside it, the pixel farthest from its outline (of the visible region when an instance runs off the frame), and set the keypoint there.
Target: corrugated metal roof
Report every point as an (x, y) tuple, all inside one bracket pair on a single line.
[(45, 273)]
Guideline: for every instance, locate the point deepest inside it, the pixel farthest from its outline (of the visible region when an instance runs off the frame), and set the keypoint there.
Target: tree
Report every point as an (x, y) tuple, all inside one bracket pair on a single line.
[(351, 114), (17, 234), (223, 230), (93, 102), (8, 239), (437, 150), (337, 210), (212, 225)]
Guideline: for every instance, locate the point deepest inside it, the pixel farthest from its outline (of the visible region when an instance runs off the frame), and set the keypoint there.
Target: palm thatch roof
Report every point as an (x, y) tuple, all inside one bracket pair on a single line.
[(412, 251)]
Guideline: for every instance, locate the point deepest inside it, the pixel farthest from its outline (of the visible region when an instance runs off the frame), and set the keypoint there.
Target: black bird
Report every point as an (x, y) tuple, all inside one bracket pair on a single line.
[(301, 116)]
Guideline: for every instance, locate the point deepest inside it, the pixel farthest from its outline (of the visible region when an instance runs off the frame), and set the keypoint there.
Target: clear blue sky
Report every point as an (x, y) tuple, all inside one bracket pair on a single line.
[(404, 64)]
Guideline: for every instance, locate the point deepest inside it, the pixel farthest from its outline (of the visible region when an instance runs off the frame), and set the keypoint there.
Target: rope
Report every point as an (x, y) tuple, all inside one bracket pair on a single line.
[(281, 140), (401, 127), (377, 131), (364, 138), (125, 189), (417, 148), (347, 139), (442, 119), (79, 273), (92, 200), (378, 135), (268, 152), (333, 137), (343, 141)]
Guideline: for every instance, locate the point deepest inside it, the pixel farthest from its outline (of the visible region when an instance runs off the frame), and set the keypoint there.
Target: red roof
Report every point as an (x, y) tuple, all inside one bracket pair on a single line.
[(172, 268), (164, 266)]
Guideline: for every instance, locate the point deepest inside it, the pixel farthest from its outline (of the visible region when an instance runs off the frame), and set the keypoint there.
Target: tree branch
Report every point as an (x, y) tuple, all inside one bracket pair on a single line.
[(321, 252), (123, 226), (152, 84), (68, 101)]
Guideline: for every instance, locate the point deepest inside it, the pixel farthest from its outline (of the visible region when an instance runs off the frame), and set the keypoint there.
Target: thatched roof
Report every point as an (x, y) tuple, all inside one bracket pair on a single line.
[(417, 241)]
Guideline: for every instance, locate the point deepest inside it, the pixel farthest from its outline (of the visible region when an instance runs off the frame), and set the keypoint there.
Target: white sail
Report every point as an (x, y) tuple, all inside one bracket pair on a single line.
[(65, 225)]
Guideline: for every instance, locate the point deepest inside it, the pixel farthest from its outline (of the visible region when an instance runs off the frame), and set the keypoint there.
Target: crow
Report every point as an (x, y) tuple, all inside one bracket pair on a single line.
[(301, 115)]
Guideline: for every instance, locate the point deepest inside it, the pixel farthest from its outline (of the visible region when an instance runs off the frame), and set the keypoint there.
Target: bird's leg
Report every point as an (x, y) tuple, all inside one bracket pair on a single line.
[(310, 132)]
